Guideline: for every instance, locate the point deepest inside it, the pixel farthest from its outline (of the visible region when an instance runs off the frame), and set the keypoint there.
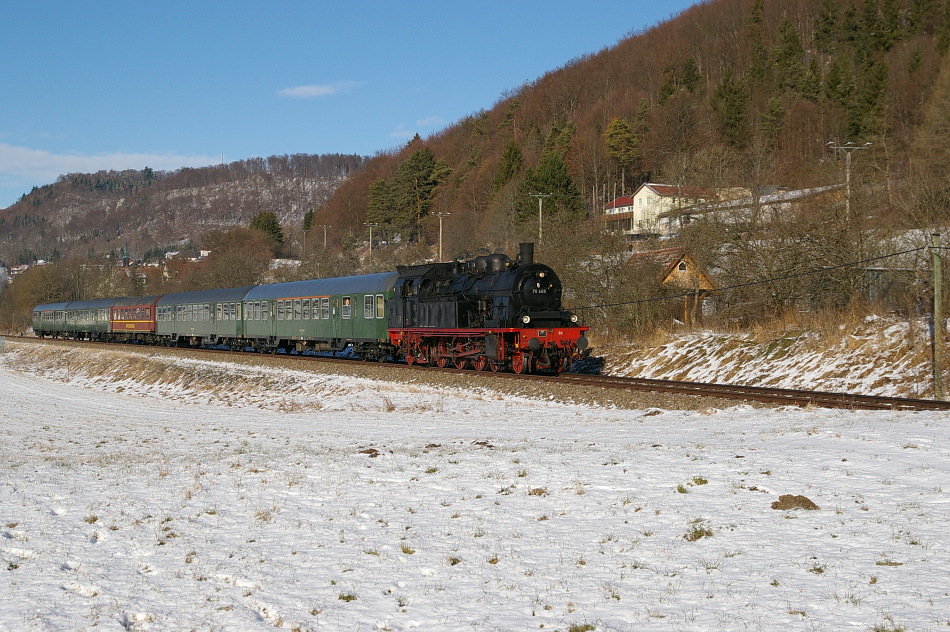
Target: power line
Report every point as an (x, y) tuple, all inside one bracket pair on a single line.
[(762, 282)]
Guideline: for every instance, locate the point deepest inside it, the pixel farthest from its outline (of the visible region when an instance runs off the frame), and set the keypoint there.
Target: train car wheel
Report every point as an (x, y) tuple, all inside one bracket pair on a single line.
[(480, 363), (519, 363)]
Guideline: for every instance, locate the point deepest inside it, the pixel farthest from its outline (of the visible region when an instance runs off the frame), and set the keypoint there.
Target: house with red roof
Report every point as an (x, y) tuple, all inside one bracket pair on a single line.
[(639, 215)]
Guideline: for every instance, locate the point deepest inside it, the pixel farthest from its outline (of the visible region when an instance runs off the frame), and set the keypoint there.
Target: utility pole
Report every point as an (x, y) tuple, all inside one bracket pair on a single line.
[(325, 227), (848, 148), (540, 197), (938, 318), (440, 216), (371, 226)]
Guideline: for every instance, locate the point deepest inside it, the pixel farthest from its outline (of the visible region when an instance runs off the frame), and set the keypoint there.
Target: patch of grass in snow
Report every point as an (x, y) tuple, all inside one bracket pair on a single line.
[(888, 562), (697, 530), (889, 625)]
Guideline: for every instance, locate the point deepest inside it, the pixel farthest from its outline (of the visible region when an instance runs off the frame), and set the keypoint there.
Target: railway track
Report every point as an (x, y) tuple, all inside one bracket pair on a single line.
[(757, 394)]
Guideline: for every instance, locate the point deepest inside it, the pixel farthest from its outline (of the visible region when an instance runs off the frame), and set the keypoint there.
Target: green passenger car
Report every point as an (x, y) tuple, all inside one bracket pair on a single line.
[(321, 314), (210, 317), (76, 319)]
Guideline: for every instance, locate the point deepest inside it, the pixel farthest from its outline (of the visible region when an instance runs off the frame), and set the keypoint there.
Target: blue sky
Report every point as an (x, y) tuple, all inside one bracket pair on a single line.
[(115, 85)]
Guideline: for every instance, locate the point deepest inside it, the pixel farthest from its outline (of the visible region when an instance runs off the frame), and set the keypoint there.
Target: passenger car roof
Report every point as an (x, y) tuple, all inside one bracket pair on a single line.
[(361, 284), (205, 296)]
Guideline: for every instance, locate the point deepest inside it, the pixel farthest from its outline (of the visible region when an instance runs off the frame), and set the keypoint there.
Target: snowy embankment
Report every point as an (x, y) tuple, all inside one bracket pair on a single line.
[(196, 495), (879, 356)]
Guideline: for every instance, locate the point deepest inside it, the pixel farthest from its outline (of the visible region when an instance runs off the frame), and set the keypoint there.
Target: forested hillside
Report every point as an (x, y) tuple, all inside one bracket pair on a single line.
[(148, 212), (731, 94)]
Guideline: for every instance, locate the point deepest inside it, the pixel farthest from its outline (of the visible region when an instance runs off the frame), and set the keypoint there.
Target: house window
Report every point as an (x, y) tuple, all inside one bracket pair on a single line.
[(682, 266)]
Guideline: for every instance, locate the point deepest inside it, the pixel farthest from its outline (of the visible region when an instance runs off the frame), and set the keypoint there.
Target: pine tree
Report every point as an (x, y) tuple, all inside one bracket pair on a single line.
[(772, 121), (826, 26), (621, 142), (760, 65), (267, 223), (511, 162), (551, 176), (789, 56), (731, 103)]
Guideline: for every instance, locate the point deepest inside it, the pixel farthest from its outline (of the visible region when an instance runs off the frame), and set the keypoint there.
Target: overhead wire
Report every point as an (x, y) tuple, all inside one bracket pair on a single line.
[(759, 282)]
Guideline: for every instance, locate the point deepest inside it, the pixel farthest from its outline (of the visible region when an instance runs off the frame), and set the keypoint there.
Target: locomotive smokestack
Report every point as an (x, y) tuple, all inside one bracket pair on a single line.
[(526, 254)]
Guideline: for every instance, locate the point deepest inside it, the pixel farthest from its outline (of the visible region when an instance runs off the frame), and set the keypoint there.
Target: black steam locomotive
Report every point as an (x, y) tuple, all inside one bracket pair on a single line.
[(490, 312)]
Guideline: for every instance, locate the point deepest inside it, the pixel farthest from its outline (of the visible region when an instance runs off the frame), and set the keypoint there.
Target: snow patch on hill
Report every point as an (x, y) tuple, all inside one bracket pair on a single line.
[(880, 356)]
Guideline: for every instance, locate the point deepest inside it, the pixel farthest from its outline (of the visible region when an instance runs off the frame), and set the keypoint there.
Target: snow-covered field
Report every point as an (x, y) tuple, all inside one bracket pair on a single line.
[(322, 502)]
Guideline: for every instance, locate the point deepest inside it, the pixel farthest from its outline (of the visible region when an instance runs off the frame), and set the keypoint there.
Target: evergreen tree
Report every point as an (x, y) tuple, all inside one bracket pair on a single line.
[(731, 103), (405, 199), (622, 143), (920, 16), (943, 33), (380, 206), (267, 223), (691, 76), (551, 176), (760, 64), (308, 219), (891, 24), (789, 56), (850, 30), (866, 113), (511, 162), (772, 121), (826, 26), (838, 86)]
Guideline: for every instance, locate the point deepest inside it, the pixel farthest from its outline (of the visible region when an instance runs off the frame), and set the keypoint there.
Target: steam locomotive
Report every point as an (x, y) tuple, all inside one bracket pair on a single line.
[(490, 312)]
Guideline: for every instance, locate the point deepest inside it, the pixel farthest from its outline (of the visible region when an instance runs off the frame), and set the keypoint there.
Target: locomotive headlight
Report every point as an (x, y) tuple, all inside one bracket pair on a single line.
[(541, 275), (573, 318), (526, 319)]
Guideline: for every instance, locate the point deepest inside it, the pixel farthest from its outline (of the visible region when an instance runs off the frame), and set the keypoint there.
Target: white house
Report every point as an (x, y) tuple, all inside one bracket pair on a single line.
[(639, 215)]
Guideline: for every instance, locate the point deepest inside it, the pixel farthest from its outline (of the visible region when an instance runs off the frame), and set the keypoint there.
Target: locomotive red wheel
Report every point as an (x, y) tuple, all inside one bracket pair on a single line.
[(410, 359), (519, 363), (480, 363), (494, 365), (441, 362), (461, 363)]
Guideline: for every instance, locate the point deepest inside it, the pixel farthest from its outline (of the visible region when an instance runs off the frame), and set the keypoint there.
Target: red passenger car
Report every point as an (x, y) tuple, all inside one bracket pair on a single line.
[(134, 318)]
